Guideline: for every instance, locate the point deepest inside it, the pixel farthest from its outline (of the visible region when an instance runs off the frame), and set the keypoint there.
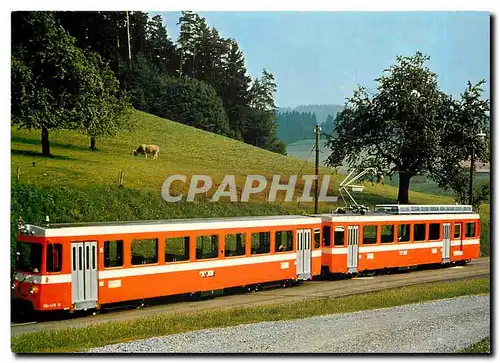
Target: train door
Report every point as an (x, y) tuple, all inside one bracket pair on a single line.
[(446, 242), (304, 254), (84, 275), (352, 248)]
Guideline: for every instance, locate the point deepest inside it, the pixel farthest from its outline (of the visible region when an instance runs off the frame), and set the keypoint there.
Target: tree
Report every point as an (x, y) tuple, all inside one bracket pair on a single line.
[(397, 129), (261, 127), (234, 88), (262, 92), (107, 112), (193, 103), (191, 29), (141, 80), (100, 31), (54, 85), (159, 49), (470, 115), (46, 70)]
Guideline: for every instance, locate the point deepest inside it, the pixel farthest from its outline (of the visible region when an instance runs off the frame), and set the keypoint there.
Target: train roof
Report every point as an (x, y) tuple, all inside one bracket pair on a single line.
[(120, 227), (378, 216)]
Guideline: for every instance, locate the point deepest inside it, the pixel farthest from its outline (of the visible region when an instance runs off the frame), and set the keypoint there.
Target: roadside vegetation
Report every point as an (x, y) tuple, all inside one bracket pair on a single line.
[(484, 346), (78, 339)]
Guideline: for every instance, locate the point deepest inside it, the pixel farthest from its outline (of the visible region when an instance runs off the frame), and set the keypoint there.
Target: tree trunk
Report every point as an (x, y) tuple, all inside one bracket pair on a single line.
[(92, 143), (404, 186), (45, 141)]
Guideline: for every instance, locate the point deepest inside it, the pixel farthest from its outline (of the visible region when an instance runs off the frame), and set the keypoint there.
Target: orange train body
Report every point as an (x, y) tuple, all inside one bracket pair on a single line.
[(376, 253), (84, 266)]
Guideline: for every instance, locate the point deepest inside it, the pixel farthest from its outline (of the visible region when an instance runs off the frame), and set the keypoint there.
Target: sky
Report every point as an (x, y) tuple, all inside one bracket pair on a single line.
[(321, 57)]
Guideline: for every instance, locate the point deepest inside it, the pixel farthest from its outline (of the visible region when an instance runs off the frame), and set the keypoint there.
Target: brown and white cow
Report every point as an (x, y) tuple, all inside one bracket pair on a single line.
[(148, 149)]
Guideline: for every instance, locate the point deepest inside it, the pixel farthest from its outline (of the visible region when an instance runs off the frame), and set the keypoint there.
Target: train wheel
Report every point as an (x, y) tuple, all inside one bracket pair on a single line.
[(195, 296), (325, 271), (370, 273), (140, 304)]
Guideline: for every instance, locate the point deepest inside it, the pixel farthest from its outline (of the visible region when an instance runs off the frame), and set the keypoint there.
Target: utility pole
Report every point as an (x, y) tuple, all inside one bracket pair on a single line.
[(316, 169), (480, 135), (471, 173), (128, 39)]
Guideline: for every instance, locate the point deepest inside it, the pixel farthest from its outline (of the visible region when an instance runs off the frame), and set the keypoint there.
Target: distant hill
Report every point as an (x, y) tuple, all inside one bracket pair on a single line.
[(296, 124)]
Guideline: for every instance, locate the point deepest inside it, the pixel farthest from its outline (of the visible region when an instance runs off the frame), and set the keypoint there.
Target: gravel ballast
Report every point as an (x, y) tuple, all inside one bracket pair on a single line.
[(441, 326)]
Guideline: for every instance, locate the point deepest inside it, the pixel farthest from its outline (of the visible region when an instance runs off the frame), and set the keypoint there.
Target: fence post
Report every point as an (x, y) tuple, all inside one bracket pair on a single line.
[(18, 173), (121, 179)]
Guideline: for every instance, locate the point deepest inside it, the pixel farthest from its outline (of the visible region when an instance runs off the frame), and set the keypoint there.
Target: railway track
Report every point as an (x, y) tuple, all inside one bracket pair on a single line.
[(312, 289)]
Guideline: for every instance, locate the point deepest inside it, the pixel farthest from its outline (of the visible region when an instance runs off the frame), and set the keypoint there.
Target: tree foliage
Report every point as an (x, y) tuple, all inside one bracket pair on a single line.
[(160, 50), (184, 100), (56, 84), (460, 142), (193, 103), (105, 110)]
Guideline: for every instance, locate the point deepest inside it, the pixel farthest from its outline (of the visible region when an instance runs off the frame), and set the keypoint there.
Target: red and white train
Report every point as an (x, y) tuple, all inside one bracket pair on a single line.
[(85, 266)]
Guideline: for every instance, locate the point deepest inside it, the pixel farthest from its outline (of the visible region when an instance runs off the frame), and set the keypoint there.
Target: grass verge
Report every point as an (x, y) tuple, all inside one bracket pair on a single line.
[(77, 339), (483, 346)]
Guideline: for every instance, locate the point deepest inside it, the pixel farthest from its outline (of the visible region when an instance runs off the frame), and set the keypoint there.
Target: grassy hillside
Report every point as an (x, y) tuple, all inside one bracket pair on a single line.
[(78, 184)]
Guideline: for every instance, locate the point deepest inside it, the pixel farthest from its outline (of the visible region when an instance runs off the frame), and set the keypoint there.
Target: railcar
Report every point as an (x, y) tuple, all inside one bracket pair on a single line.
[(85, 266), (399, 236), (88, 265)]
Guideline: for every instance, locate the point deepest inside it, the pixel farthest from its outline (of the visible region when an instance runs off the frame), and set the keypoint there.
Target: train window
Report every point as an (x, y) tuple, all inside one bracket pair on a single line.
[(369, 235), (419, 232), (326, 236), (54, 257), (403, 233), (207, 247), (261, 243), (434, 231), (457, 231), (88, 257), (74, 258), (144, 251), (317, 238), (387, 233), (80, 253), (234, 244), (338, 238), (113, 253), (176, 249), (470, 229), (283, 241)]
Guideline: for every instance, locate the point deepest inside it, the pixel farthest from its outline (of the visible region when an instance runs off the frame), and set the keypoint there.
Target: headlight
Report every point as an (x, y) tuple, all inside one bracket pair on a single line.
[(13, 285), (33, 290)]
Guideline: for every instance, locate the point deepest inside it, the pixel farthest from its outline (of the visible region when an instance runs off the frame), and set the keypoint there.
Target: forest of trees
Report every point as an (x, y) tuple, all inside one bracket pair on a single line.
[(200, 80), (296, 126)]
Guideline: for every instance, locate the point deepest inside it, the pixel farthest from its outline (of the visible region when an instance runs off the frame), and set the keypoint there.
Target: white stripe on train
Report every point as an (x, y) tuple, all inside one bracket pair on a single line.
[(398, 246), (171, 267)]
